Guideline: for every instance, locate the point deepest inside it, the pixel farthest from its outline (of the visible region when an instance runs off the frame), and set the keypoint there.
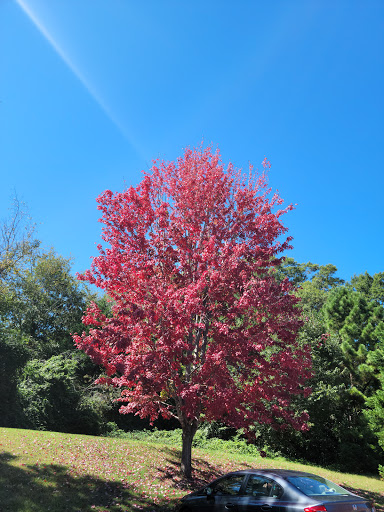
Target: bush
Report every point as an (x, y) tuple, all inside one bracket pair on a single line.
[(53, 396), (173, 438)]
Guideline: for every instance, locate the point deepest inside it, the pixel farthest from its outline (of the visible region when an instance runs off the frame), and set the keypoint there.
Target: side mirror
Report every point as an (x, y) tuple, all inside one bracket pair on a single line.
[(209, 491)]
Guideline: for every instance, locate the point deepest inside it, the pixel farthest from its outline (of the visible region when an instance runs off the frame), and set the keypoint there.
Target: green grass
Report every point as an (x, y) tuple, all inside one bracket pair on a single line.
[(52, 472)]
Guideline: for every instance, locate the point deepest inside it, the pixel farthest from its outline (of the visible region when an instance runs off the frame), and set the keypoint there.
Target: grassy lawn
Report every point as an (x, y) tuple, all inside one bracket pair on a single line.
[(51, 472)]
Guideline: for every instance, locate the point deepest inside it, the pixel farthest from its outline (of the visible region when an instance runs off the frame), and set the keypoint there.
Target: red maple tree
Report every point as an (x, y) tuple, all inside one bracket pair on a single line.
[(201, 328)]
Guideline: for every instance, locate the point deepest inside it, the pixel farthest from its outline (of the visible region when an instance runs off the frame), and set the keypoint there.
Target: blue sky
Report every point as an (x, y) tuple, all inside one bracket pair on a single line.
[(91, 91)]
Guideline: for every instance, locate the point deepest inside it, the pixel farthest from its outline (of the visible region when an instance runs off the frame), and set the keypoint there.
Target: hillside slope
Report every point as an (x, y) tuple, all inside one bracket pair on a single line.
[(48, 471)]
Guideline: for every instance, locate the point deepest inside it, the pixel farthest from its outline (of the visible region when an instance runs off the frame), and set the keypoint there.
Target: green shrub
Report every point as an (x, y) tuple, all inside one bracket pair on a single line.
[(173, 437), (53, 396)]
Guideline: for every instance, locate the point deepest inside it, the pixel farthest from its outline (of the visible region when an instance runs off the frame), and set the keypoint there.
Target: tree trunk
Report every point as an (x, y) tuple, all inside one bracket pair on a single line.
[(189, 430)]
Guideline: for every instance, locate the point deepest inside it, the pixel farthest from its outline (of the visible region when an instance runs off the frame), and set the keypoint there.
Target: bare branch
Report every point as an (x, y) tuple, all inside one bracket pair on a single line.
[(16, 238)]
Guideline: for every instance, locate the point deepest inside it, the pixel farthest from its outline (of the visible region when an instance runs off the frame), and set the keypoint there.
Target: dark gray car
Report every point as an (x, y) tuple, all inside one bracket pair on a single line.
[(273, 490)]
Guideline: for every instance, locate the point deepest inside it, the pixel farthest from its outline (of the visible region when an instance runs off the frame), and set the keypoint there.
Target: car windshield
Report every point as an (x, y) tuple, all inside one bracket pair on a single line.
[(312, 485)]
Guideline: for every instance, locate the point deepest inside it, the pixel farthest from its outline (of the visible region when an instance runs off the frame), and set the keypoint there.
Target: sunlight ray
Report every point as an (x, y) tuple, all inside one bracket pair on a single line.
[(80, 76)]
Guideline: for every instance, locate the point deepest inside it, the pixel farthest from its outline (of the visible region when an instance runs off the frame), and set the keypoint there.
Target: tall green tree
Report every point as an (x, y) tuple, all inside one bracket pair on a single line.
[(359, 322), (18, 247), (341, 380), (42, 377), (47, 304), (44, 381), (355, 316), (372, 287)]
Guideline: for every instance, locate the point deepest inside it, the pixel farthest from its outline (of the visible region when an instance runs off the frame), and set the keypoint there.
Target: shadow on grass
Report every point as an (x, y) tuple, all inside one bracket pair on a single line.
[(369, 495), (203, 473), (54, 488), (43, 488)]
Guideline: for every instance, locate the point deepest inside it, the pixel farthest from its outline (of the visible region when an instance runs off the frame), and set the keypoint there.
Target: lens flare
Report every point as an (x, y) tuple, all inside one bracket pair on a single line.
[(80, 76)]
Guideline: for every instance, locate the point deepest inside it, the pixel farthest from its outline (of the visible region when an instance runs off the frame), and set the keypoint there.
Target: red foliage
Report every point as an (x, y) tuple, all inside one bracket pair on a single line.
[(201, 328)]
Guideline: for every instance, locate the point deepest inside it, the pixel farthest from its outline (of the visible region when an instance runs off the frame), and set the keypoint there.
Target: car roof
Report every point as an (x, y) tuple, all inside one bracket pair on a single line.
[(282, 473)]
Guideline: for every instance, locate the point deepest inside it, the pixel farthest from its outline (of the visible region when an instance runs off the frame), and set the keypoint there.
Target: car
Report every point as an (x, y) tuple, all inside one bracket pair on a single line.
[(273, 490)]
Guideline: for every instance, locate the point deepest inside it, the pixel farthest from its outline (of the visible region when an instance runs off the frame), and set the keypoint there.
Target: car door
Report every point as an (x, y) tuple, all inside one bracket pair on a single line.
[(224, 494), (261, 494)]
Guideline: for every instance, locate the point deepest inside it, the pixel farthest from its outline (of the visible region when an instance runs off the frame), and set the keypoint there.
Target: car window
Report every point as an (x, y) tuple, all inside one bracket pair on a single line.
[(261, 487), (312, 485), (228, 485)]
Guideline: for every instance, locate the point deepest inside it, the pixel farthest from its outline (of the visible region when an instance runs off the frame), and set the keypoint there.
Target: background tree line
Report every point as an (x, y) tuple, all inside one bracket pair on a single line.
[(46, 383)]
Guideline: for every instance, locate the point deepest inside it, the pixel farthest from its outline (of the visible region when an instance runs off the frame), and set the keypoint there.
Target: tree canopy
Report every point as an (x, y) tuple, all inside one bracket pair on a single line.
[(201, 328)]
